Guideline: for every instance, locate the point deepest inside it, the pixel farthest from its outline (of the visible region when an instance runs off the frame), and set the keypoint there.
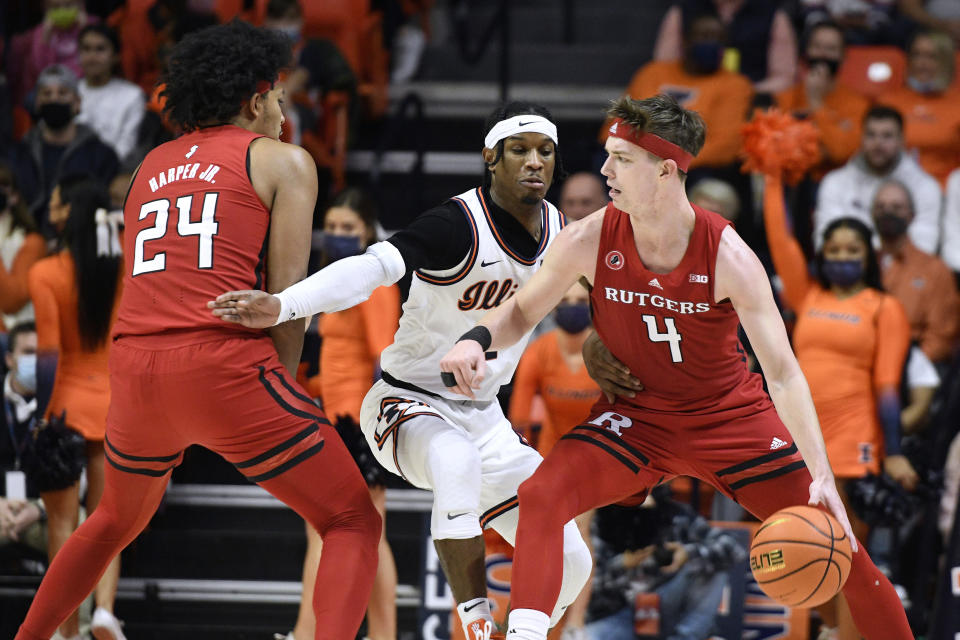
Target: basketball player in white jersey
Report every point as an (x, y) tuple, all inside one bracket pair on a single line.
[(467, 256)]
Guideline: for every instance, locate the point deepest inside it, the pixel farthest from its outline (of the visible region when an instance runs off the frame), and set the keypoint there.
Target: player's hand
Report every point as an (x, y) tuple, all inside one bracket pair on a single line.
[(900, 469), (466, 361), (254, 309), (610, 374), (823, 490)]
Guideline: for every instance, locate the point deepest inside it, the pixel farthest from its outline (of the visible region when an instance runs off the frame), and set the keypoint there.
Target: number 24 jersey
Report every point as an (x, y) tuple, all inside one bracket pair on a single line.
[(194, 228)]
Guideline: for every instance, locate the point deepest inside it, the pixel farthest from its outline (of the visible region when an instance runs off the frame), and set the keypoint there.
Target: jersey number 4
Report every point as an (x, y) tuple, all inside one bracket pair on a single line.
[(671, 335), (206, 229)]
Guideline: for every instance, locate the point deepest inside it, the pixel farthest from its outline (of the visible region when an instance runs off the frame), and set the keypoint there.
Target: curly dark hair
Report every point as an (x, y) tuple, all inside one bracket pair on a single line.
[(212, 72)]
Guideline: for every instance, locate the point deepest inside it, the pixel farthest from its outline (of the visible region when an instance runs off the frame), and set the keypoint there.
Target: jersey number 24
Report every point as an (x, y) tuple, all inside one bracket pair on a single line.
[(205, 229)]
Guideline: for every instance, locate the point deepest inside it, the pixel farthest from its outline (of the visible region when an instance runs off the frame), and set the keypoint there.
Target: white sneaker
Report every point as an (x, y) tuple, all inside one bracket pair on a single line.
[(105, 626)]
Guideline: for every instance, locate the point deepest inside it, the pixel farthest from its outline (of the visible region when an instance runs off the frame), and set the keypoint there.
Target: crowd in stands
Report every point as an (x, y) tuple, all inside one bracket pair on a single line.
[(869, 238)]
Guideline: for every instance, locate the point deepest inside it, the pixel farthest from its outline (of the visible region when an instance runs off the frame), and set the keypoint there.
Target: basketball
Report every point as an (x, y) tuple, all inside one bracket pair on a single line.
[(800, 556)]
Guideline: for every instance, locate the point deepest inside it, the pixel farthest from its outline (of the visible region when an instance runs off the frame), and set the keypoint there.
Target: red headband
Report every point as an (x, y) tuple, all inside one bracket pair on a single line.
[(654, 144), (263, 86)]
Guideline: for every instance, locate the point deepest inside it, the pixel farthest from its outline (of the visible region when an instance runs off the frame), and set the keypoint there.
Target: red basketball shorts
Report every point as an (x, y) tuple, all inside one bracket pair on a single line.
[(229, 394), (739, 451)]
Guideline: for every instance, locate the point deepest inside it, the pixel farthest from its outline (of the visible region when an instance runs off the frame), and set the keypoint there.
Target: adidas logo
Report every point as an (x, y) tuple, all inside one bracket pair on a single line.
[(655, 283), (777, 443)]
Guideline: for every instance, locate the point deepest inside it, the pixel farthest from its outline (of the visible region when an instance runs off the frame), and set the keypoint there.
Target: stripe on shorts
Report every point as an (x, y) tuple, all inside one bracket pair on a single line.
[(633, 466), (141, 465), (609, 435), (498, 510), (153, 473), (769, 475), (755, 462)]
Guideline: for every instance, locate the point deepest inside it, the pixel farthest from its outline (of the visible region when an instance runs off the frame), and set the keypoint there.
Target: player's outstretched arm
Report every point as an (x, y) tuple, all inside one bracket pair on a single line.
[(571, 256), (741, 278)]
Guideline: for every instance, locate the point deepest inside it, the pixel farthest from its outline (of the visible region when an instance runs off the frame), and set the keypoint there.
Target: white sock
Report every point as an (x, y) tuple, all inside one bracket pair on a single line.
[(527, 624), (472, 610)]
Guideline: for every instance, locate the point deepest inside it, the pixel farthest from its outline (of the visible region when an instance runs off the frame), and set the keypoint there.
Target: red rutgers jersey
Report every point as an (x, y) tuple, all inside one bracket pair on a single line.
[(194, 228), (666, 327)]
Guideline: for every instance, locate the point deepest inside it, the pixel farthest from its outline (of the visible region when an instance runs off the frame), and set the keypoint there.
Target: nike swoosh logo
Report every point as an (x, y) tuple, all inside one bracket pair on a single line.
[(523, 124), (487, 264), (451, 516), (475, 604)]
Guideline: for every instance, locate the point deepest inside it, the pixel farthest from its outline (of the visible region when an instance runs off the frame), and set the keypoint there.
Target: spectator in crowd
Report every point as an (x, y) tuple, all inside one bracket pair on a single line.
[(58, 145), (951, 490), (698, 82), (21, 512), (851, 340), (849, 190), (835, 109), (109, 105), (942, 15), (950, 249), (352, 340), (770, 62), (921, 282), (872, 22), (718, 196), (661, 547), (582, 194), (20, 247), (552, 369), (930, 105), (75, 295), (53, 41), (922, 382)]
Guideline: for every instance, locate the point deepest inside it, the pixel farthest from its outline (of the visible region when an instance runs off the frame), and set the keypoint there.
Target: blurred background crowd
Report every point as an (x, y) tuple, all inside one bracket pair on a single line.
[(388, 97)]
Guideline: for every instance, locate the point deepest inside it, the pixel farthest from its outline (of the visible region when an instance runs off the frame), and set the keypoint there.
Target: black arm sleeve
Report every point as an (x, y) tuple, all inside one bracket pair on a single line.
[(437, 239)]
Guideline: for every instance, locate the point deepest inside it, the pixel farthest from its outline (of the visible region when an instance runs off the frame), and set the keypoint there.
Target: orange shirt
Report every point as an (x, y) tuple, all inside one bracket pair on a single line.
[(925, 287), (849, 350), (352, 342), (838, 120), (567, 395), (722, 99), (931, 128), (82, 383)]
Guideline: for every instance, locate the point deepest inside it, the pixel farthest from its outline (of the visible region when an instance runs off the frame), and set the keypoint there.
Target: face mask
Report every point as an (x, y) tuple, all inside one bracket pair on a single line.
[(337, 247), (63, 17), (26, 373), (890, 225), (56, 115), (706, 56), (831, 64), (843, 273), (573, 318), (292, 31), (929, 86)]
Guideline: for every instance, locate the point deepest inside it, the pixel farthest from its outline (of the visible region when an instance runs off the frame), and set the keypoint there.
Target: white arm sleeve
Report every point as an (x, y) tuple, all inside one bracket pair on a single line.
[(343, 284)]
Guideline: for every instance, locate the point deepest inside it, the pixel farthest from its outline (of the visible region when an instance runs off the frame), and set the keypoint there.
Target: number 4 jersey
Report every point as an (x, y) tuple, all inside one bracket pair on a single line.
[(667, 328), (194, 228)]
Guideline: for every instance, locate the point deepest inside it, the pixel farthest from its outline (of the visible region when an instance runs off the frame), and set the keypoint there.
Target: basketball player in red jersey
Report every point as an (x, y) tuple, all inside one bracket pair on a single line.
[(670, 283), (197, 219)]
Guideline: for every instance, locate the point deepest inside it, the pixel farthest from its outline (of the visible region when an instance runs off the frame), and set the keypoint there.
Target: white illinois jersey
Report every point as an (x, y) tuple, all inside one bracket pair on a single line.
[(443, 305)]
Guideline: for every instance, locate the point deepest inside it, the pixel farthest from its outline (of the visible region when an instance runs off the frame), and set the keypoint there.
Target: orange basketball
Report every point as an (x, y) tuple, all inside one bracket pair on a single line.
[(800, 556)]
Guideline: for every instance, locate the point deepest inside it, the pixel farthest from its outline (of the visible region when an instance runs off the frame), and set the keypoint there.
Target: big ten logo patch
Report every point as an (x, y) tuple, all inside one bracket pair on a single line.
[(767, 562), (612, 421), (487, 294)]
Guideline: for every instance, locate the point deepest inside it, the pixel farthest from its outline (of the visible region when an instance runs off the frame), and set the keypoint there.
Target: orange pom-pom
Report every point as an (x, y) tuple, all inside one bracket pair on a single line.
[(777, 144)]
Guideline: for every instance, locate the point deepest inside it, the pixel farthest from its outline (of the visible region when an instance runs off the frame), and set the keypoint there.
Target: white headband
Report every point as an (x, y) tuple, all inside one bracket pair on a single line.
[(108, 232), (520, 124)]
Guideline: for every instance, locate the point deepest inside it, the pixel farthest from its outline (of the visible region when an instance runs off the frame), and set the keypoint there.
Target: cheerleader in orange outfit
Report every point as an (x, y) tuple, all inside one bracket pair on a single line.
[(75, 294), (349, 363), (552, 368), (851, 340)]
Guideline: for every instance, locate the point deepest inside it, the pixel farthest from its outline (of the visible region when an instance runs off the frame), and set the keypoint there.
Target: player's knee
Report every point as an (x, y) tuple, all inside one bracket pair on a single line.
[(453, 461), (541, 501)]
